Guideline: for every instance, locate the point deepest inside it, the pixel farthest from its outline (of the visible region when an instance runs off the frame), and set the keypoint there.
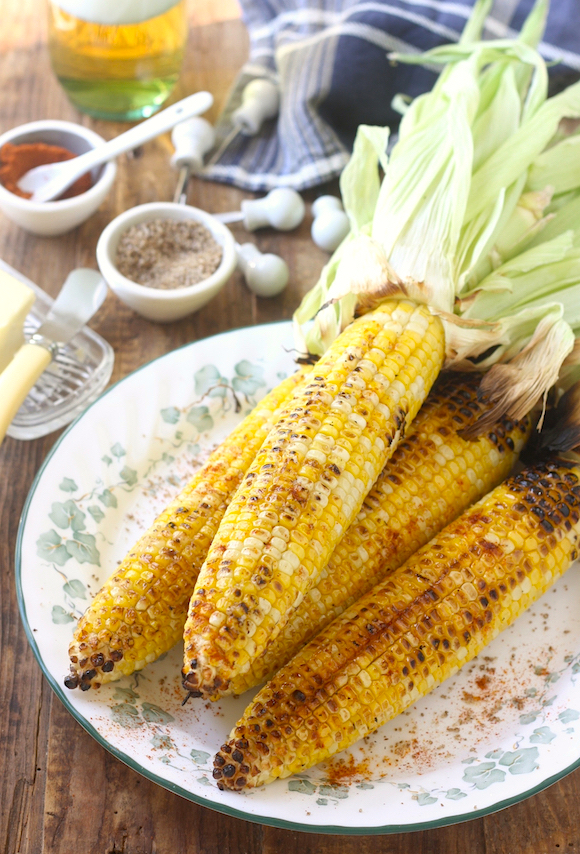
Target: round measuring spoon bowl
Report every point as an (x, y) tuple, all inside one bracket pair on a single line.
[(62, 215), (156, 303)]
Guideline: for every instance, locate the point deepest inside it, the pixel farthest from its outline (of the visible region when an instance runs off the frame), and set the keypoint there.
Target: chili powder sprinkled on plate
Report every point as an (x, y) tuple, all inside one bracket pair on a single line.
[(168, 253)]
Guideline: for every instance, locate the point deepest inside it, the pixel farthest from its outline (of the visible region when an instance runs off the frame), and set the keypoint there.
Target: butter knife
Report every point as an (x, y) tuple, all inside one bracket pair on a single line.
[(80, 297)]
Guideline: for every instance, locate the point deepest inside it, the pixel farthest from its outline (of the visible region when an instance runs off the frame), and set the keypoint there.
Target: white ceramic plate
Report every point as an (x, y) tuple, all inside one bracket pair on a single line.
[(506, 727)]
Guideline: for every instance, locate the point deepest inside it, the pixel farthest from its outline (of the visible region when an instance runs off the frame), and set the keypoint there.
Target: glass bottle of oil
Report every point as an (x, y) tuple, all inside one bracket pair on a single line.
[(117, 59)]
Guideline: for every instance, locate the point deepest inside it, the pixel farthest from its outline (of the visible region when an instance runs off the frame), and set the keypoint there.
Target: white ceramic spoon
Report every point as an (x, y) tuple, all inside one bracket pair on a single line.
[(283, 209), (265, 275), (50, 181), (331, 224)]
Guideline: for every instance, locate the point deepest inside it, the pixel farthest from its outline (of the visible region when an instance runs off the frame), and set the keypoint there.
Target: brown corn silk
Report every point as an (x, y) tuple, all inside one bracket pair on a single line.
[(140, 611), (432, 477), (413, 630), (305, 488)]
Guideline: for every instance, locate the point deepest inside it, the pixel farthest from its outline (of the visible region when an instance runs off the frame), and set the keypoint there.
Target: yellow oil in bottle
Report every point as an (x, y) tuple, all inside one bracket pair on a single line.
[(120, 71)]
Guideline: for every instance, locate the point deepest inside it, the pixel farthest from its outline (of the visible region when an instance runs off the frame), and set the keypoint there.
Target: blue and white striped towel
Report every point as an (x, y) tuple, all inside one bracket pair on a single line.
[(328, 58)]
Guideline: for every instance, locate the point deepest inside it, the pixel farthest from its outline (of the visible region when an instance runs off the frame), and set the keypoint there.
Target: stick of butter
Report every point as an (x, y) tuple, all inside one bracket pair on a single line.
[(15, 302)]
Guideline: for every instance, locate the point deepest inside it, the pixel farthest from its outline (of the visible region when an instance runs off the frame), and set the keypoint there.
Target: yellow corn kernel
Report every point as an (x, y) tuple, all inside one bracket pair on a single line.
[(543, 503), (149, 592), (371, 355), (391, 525)]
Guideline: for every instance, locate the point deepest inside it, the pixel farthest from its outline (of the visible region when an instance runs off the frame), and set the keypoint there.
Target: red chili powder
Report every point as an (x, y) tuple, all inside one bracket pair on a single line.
[(16, 160), (342, 771)]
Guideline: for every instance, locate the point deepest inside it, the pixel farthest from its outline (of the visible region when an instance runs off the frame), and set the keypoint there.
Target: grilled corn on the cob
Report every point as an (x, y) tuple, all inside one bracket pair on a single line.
[(305, 488), (413, 630), (433, 476), (140, 611)]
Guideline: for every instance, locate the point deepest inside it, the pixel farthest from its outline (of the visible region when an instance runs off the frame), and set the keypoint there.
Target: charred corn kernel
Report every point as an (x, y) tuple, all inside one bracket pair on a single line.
[(413, 630), (140, 611), (366, 373), (400, 513)]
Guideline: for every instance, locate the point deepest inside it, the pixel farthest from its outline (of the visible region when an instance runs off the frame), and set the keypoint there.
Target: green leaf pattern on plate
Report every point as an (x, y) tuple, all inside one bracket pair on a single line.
[(68, 485), (67, 515), (249, 378), (521, 761), (126, 716), (129, 475), (154, 714), (83, 547), (483, 775), (96, 513), (49, 546), (108, 498), (209, 382), (200, 757), (171, 415), (75, 589), (60, 616), (200, 418)]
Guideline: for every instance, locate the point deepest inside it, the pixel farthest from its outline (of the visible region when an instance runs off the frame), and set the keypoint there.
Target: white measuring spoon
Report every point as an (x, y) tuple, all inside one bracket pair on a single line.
[(282, 209), (50, 181), (265, 275)]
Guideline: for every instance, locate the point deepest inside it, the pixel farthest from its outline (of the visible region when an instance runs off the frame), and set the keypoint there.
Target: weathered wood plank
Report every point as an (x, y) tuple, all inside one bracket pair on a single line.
[(120, 811), (25, 697)]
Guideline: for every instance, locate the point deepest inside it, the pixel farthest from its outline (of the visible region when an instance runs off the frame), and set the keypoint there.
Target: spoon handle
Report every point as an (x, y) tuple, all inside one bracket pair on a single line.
[(227, 218), (156, 125)]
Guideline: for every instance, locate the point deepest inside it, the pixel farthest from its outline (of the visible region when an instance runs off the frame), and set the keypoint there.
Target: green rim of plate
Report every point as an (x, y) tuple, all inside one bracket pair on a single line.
[(172, 787)]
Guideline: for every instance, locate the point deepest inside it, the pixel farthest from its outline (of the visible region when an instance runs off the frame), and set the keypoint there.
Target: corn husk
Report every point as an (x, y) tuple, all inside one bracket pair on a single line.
[(477, 216)]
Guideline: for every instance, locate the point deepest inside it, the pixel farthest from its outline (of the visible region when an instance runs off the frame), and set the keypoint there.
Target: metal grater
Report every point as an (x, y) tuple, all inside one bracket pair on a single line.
[(77, 375)]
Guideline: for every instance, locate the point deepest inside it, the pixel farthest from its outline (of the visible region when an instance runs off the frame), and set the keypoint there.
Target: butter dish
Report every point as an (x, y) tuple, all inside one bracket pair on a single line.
[(78, 374), (16, 300)]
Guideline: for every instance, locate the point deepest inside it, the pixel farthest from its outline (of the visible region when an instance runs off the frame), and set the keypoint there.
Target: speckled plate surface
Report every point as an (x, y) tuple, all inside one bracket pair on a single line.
[(504, 728)]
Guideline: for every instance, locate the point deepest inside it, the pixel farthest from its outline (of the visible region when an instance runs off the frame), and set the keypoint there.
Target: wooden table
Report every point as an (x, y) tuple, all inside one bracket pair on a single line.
[(60, 791)]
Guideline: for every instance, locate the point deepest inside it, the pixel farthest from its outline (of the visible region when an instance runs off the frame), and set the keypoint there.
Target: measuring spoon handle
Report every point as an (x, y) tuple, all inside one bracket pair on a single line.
[(156, 125)]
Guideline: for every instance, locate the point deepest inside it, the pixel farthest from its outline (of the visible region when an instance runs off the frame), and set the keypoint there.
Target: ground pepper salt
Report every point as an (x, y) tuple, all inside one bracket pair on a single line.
[(168, 253)]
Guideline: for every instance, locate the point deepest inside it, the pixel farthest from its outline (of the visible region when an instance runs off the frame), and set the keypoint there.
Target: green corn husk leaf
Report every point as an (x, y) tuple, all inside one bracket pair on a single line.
[(522, 148), (415, 223), (565, 217), (478, 214), (543, 270), (360, 183), (515, 234), (495, 124), (558, 166), (526, 221)]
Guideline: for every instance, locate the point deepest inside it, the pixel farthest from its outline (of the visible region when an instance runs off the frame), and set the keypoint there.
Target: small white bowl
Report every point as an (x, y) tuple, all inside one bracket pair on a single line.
[(58, 217), (155, 303)]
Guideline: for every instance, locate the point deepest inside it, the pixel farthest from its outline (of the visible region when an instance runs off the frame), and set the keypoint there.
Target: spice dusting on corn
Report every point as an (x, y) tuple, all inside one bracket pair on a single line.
[(433, 476), (140, 611), (305, 487), (413, 630)]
